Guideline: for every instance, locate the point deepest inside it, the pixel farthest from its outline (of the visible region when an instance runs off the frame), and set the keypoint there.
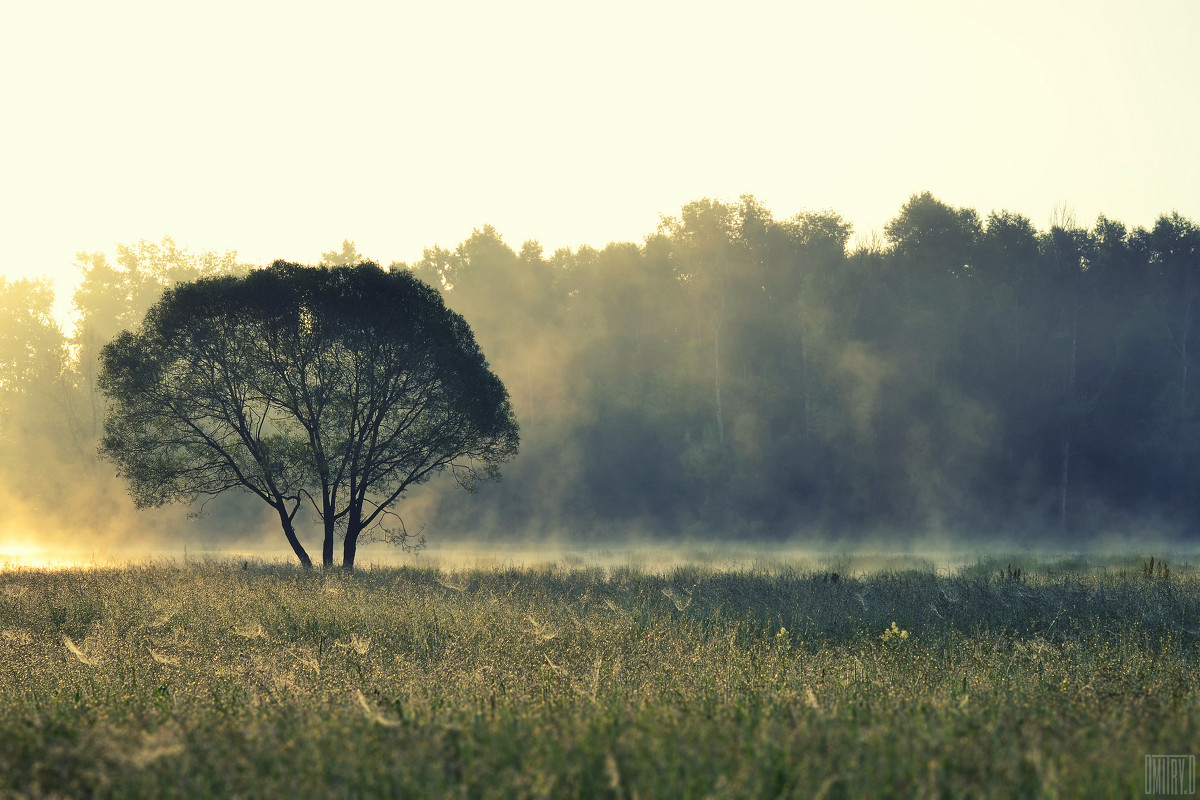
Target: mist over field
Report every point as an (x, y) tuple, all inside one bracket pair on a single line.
[(966, 380)]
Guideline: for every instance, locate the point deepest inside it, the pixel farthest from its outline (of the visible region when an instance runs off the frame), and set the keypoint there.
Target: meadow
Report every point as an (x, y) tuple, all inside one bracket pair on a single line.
[(1047, 677)]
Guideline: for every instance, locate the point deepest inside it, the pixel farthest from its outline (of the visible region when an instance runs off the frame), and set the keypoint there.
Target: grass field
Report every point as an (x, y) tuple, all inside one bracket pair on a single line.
[(249, 679)]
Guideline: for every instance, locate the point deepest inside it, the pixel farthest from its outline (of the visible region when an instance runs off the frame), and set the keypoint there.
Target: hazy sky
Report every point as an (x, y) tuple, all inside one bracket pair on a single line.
[(278, 129)]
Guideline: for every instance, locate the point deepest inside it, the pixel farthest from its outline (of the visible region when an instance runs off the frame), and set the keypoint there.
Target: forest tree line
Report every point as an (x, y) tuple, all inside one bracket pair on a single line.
[(739, 376)]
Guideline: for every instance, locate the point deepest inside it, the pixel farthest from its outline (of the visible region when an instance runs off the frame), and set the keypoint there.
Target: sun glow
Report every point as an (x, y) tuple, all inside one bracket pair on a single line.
[(24, 555)]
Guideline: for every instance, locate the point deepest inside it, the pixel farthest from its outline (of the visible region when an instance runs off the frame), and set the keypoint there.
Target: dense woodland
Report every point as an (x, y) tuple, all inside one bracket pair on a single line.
[(738, 376)]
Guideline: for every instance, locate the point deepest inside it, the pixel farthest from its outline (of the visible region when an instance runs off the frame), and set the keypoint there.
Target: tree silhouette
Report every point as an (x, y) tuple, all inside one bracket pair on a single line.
[(337, 387)]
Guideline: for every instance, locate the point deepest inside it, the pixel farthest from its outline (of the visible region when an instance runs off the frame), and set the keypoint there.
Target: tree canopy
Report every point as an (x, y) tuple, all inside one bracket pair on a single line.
[(337, 388)]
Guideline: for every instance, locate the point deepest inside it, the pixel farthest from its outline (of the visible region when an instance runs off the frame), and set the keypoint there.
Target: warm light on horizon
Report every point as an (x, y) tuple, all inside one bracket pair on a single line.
[(24, 555)]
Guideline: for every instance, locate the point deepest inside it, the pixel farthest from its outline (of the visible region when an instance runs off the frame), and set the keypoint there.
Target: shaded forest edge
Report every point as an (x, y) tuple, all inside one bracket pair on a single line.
[(743, 377)]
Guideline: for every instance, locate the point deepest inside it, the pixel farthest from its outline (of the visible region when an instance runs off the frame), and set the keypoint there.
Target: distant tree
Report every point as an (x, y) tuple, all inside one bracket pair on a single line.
[(347, 257), (931, 238), (31, 344), (714, 268), (40, 442), (114, 295), (1068, 253), (1174, 245), (33, 359), (336, 387)]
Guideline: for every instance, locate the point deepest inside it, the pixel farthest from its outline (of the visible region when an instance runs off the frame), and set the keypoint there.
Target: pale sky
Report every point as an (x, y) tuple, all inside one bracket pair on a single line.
[(279, 129)]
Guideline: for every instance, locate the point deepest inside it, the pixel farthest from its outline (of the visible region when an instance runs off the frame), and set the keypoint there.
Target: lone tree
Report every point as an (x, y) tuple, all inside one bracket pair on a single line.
[(334, 387)]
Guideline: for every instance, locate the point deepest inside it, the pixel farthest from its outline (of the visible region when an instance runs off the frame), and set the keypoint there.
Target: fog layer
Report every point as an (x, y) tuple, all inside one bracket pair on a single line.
[(730, 377)]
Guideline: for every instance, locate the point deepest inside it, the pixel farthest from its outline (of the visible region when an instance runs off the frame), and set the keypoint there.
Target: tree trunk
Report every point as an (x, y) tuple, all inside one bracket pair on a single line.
[(804, 380), (329, 523), (350, 547), (290, 533), (1068, 427), (1183, 358), (529, 385), (354, 526), (1064, 480), (327, 542), (1016, 332), (717, 376)]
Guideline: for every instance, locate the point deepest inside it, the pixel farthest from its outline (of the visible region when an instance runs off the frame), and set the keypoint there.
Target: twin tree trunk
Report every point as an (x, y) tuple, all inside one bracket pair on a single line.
[(349, 548)]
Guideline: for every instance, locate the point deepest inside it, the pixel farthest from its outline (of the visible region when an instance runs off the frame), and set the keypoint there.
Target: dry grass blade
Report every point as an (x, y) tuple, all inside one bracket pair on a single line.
[(541, 631), (358, 644), (162, 620), (373, 714), (254, 631), (612, 772), (163, 658), (307, 661), (16, 636), (83, 657), (155, 745), (616, 609), (677, 598)]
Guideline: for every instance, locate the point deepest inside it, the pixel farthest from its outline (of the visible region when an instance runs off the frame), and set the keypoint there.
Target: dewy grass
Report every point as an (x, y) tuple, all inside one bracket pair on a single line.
[(210, 679)]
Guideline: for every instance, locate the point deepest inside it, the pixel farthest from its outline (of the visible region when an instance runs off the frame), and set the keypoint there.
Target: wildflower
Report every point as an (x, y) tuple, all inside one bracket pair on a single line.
[(894, 632)]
